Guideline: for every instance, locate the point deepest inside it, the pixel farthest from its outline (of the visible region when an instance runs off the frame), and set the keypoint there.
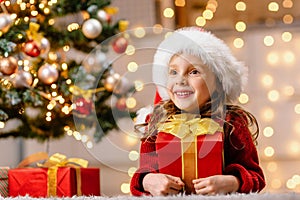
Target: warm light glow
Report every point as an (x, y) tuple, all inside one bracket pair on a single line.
[(180, 3), (208, 14), (77, 135), (138, 85), (130, 50), (139, 32), (240, 6), (268, 40), (289, 57), (290, 184), (288, 90), (238, 43), (84, 138), (272, 166), (273, 95), (244, 98), (288, 19), (130, 102), (273, 6), (286, 36), (273, 58), (268, 131), (200, 21), (287, 3), (157, 29), (125, 188), (297, 108), (297, 127), (89, 144), (2, 124), (240, 26), (294, 148), (268, 114), (276, 183), (131, 171), (267, 80), (132, 66), (168, 13), (133, 155), (269, 151)]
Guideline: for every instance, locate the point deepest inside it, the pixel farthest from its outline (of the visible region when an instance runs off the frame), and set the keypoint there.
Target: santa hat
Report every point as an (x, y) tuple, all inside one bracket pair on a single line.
[(211, 50)]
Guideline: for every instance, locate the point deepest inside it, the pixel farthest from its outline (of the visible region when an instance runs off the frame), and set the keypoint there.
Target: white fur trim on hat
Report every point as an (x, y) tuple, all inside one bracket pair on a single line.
[(211, 50)]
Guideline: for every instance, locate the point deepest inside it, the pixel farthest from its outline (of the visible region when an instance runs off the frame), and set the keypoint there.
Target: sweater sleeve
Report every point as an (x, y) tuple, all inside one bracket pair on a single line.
[(148, 164), (241, 157)]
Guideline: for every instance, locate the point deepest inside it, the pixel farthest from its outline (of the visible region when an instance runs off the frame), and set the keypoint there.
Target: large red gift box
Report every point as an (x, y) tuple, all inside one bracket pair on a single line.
[(190, 156), (36, 182)]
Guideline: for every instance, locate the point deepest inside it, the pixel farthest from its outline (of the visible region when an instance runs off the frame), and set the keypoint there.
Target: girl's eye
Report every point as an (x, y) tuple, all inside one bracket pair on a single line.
[(194, 72), (172, 72)]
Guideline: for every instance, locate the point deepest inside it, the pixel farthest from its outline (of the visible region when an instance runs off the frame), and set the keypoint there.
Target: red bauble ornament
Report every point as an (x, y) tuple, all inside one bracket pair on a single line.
[(119, 45), (31, 48), (83, 106), (121, 104)]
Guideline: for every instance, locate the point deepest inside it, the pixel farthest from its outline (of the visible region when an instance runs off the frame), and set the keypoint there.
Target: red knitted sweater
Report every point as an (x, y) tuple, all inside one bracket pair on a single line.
[(240, 157)]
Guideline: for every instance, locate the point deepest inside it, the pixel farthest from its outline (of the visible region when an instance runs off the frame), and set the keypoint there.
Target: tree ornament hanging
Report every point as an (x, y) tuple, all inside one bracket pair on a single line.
[(22, 79), (103, 16), (5, 22), (91, 28), (8, 65), (31, 48), (111, 81), (48, 74), (44, 46), (83, 106), (121, 104), (119, 45)]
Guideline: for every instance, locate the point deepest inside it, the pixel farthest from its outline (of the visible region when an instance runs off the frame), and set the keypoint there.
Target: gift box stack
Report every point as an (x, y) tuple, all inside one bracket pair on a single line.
[(191, 144), (57, 177)]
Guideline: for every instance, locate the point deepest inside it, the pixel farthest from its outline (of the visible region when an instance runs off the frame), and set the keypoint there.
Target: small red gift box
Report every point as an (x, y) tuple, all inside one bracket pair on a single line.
[(190, 155), (57, 181)]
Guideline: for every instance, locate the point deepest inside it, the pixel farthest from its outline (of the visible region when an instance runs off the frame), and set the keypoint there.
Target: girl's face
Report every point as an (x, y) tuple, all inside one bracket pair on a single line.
[(190, 82)]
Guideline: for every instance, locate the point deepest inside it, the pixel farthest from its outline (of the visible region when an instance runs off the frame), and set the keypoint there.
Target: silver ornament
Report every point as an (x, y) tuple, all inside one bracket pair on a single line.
[(103, 16), (44, 45), (91, 28), (48, 74), (5, 22), (22, 79)]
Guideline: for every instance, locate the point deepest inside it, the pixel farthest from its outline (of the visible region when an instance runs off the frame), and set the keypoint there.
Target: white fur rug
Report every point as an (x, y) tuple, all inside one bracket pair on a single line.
[(254, 196)]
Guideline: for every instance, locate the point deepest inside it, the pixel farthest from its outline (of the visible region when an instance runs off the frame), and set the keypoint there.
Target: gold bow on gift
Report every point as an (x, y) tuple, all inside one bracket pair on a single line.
[(53, 163), (187, 127)]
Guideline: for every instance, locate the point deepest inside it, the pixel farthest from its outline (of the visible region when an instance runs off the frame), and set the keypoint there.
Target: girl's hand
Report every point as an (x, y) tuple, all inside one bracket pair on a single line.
[(162, 184), (218, 184)]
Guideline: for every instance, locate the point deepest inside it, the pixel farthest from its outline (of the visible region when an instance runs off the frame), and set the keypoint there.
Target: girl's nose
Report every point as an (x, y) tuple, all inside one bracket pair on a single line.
[(181, 80)]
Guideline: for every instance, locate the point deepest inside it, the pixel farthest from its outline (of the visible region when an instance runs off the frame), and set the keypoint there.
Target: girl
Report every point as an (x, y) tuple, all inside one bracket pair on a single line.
[(196, 74)]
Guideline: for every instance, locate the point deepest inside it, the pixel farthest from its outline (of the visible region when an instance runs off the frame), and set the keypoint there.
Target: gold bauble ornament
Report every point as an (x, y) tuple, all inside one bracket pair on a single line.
[(8, 65), (111, 81), (22, 79), (48, 74)]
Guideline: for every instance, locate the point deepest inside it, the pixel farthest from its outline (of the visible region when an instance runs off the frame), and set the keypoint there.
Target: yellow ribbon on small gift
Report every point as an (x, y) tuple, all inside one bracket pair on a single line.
[(87, 94), (32, 32), (187, 127), (60, 160)]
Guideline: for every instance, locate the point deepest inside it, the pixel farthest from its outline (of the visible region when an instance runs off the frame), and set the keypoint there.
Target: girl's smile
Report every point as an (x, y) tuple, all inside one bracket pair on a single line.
[(190, 82)]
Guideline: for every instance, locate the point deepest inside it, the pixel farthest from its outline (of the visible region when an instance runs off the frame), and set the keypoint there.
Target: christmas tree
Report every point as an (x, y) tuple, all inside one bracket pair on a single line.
[(44, 91)]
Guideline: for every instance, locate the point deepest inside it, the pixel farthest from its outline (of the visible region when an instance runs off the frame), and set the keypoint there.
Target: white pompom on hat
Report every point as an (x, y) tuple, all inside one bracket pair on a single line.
[(211, 50)]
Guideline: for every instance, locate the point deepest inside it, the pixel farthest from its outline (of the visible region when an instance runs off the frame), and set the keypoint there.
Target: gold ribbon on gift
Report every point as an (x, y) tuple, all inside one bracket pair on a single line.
[(32, 32), (53, 163), (187, 127), (87, 94), (60, 160)]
